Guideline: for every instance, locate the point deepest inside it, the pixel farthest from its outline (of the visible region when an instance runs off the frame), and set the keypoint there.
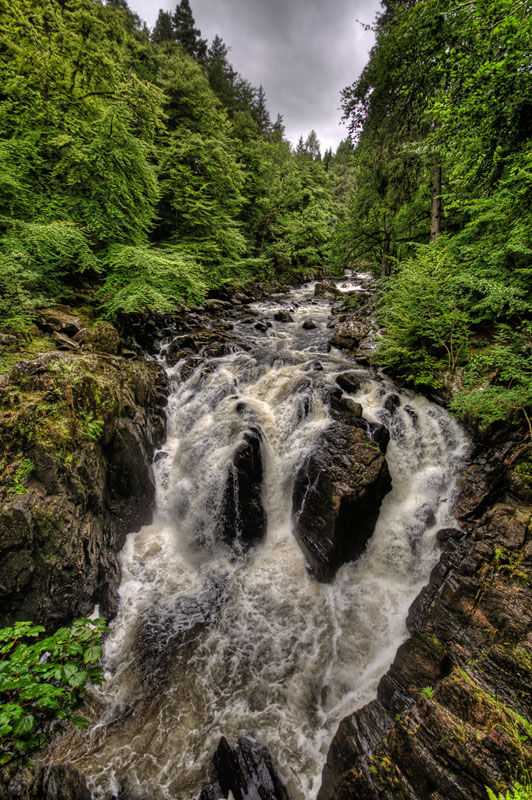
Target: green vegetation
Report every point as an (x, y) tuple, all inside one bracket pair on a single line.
[(427, 691), (43, 683), (141, 164), (517, 792), (436, 192)]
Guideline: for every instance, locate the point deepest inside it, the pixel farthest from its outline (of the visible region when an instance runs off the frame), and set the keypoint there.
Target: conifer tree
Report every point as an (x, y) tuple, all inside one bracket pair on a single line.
[(312, 146), (186, 34), (163, 30), (261, 113)]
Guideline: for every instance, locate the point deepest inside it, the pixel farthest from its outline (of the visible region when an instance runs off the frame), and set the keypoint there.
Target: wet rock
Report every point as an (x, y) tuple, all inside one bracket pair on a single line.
[(309, 325), (168, 636), (327, 289), (87, 482), (283, 316), (442, 724), (337, 496), (39, 782), (243, 518), (246, 770), (214, 306), (391, 402), (261, 326), (349, 382), (349, 334), (316, 366), (58, 320)]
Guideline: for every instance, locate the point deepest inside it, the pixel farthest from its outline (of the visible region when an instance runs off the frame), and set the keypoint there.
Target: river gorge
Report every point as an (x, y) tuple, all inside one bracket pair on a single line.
[(211, 639)]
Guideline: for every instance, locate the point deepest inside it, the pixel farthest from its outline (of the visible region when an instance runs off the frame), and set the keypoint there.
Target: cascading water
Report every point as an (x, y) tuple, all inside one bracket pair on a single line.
[(206, 643)]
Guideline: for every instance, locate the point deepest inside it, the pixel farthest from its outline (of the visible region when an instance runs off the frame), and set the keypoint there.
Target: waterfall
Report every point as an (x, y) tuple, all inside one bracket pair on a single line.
[(210, 640)]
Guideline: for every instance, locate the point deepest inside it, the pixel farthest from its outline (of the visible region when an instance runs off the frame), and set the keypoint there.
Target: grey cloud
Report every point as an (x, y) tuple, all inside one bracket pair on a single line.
[(303, 52)]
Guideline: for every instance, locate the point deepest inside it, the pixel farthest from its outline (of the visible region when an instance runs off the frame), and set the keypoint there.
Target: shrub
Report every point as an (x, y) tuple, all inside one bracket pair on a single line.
[(42, 684)]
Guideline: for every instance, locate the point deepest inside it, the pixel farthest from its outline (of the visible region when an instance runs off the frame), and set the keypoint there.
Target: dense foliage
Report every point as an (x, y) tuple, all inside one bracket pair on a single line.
[(440, 195), (43, 683), (141, 162)]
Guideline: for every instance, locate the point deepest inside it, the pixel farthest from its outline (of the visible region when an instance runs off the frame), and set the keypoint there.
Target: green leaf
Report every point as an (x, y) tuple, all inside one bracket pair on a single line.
[(24, 725)]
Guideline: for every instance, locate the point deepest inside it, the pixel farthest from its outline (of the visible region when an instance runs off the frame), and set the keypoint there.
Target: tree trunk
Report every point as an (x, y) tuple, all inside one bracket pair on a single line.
[(435, 210)]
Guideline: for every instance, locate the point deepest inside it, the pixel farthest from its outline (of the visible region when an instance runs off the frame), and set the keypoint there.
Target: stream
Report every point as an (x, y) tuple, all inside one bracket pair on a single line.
[(206, 643)]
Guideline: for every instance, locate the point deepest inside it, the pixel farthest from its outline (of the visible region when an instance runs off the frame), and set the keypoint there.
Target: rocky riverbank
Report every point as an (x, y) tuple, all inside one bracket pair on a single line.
[(453, 714)]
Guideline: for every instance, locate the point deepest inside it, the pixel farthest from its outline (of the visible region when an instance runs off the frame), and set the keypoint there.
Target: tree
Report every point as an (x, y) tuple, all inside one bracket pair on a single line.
[(312, 146), (261, 113), (163, 30), (186, 34)]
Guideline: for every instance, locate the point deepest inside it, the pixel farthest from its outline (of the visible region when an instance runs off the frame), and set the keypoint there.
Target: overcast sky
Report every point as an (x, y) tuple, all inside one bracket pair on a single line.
[(303, 52)]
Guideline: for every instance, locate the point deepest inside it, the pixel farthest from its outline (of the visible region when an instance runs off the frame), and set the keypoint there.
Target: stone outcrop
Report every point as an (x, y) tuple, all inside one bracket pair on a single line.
[(78, 431), (338, 490), (243, 517), (453, 715), (57, 782), (245, 769)]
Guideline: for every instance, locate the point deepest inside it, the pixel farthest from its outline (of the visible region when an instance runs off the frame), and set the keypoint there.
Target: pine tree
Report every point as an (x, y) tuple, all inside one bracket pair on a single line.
[(301, 149), (186, 34), (312, 146), (278, 129), (163, 30), (261, 113)]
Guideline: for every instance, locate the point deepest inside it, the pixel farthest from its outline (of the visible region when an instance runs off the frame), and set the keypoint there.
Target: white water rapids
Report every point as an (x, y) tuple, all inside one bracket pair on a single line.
[(205, 644)]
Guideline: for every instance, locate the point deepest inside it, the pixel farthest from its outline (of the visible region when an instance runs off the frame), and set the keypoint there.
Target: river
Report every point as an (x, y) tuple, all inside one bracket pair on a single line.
[(206, 643)]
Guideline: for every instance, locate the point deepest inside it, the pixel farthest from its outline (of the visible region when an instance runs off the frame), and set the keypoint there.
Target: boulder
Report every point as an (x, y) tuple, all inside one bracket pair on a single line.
[(338, 491), (309, 325), (283, 316), (58, 320), (246, 769), (349, 382), (103, 337), (243, 518), (327, 289)]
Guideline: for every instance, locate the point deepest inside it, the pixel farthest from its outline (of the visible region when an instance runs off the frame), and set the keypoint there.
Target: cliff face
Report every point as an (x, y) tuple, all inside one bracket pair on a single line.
[(454, 712), (78, 431)]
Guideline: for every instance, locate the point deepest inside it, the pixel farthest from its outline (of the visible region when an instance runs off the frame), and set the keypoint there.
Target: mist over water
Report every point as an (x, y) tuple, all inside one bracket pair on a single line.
[(206, 643)]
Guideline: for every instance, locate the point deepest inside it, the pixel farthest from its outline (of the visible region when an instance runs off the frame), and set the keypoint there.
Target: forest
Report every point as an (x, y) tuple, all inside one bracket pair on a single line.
[(141, 165)]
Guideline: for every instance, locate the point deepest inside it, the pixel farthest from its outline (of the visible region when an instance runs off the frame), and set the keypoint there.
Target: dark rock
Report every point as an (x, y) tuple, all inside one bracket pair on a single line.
[(217, 306), (58, 320), (167, 636), (245, 769), (349, 382), (60, 538), (441, 726), (309, 325), (337, 496), (326, 289), (7, 340), (39, 782), (261, 326), (243, 518), (391, 402), (316, 366), (64, 342), (349, 334), (283, 316)]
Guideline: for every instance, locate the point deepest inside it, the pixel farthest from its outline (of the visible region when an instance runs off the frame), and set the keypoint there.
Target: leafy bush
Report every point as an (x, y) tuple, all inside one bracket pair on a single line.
[(426, 324), (150, 279), (43, 684), (499, 380)]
